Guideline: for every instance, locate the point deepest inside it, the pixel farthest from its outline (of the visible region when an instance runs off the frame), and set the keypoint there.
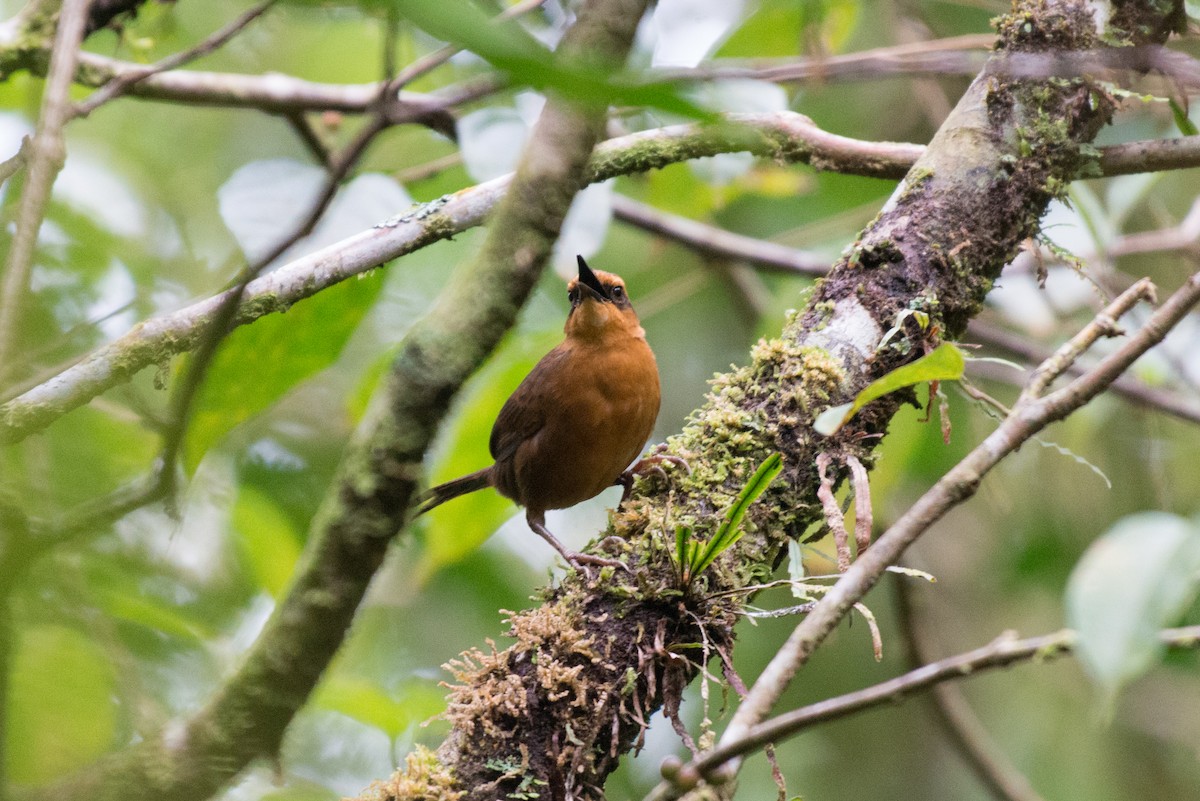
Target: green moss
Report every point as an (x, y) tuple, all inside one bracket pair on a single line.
[(423, 778), (261, 305)]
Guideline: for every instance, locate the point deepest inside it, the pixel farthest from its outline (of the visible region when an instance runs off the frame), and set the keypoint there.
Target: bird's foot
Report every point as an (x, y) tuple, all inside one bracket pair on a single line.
[(575, 559), (650, 464), (581, 561)]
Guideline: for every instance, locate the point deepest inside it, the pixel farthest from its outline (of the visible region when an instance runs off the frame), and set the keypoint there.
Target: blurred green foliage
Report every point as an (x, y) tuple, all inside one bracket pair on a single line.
[(129, 626)]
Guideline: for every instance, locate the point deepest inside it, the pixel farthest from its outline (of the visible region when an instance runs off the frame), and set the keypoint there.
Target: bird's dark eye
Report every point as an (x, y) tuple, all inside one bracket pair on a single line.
[(573, 296), (618, 292)]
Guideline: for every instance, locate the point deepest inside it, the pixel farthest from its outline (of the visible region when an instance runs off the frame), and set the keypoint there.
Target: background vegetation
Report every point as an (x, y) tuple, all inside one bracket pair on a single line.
[(121, 627)]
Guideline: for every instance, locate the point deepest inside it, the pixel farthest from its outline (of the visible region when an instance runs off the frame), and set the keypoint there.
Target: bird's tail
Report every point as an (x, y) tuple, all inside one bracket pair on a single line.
[(438, 495)]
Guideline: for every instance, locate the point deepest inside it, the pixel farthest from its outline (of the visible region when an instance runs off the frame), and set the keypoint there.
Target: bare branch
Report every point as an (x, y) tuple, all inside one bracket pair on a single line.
[(955, 55), (1126, 386), (280, 94), (1029, 416), (1183, 236), (712, 241), (1002, 652), (1150, 155), (1102, 325), (129, 79), (46, 156), (967, 734)]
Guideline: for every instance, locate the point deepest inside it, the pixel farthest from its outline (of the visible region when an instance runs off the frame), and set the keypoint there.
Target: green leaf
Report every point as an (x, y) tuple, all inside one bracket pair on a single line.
[(684, 549), (61, 714), (130, 604), (945, 363), (258, 363), (771, 31), (367, 702), (1132, 582), (1182, 121), (267, 539), (507, 46), (796, 571), (89, 452), (730, 530)]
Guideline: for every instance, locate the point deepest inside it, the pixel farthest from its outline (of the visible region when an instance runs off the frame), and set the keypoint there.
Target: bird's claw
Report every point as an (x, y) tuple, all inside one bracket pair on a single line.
[(580, 561), (650, 465)]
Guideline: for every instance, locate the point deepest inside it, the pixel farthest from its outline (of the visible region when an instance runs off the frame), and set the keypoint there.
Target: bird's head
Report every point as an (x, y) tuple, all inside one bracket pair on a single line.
[(600, 307)]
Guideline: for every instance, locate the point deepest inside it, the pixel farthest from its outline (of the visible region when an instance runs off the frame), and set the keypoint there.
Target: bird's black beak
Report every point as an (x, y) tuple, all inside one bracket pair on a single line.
[(589, 281)]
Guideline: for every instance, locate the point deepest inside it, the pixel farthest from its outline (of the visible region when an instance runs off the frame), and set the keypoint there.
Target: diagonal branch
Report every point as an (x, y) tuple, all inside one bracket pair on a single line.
[(46, 156), (122, 84), (709, 240), (962, 727), (276, 94), (1002, 652), (1028, 417)]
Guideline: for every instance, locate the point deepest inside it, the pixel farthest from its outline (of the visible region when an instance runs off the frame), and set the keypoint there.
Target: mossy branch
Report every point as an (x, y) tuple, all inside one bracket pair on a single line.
[(571, 696)]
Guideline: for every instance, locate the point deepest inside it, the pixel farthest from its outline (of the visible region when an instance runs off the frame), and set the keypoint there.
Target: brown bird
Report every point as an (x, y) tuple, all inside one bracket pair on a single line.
[(580, 417)]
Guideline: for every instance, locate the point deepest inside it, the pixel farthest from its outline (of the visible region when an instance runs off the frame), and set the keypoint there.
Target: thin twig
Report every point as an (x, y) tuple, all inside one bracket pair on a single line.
[(1183, 236), (91, 516), (1028, 418), (712, 241), (963, 728), (1103, 324), (420, 172), (46, 157), (1126, 386), (312, 141), (1005, 650), (122, 84), (10, 166), (950, 56), (975, 393)]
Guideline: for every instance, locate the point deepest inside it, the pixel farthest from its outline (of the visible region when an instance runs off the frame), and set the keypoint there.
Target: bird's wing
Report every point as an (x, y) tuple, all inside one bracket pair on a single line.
[(524, 413)]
